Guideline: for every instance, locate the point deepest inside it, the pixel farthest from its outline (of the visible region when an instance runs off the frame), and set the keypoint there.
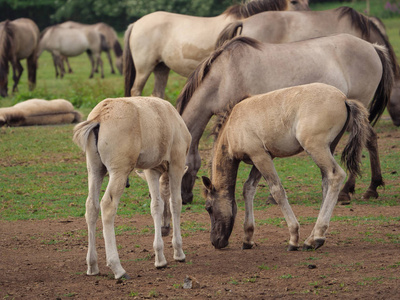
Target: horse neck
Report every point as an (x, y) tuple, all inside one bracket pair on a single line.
[(224, 167)]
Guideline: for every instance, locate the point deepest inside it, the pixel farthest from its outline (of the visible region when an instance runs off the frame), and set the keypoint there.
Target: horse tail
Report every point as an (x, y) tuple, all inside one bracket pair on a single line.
[(82, 131), (382, 93), (229, 32), (117, 49), (359, 133), (128, 64)]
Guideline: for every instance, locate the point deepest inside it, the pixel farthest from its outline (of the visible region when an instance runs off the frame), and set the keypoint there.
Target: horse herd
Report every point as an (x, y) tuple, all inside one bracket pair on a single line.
[(280, 82)]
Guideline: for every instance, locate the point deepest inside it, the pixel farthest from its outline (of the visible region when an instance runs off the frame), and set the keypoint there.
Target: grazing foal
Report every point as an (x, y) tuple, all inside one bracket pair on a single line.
[(283, 123), (120, 135)]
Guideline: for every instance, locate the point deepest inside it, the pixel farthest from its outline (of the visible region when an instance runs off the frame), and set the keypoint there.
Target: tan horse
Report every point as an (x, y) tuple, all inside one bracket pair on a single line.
[(39, 112), (69, 42), (282, 123), (162, 41), (18, 40), (120, 135), (245, 66), (278, 27), (110, 42)]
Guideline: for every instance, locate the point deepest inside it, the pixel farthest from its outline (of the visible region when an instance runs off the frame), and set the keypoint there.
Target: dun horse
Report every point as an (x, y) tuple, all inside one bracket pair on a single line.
[(110, 42), (68, 42), (245, 66), (120, 135), (278, 27), (162, 41), (18, 40), (283, 123)]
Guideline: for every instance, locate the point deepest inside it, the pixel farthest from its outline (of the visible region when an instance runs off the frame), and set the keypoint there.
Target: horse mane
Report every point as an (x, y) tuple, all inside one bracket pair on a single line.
[(251, 8), (366, 25), (197, 76), (6, 46), (45, 31)]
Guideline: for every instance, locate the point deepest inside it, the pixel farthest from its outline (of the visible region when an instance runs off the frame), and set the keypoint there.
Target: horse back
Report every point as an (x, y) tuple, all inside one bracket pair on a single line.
[(26, 37)]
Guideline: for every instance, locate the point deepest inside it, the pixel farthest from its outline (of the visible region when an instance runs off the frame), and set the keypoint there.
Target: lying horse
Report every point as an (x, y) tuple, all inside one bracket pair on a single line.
[(39, 112), (245, 66), (68, 42), (110, 41), (18, 40), (283, 27), (162, 41), (282, 123), (120, 135)]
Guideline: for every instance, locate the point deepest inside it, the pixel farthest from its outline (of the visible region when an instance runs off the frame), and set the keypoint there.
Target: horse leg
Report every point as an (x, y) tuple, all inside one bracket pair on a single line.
[(332, 179), (92, 62), (55, 63), (161, 72), (165, 195), (110, 61), (32, 67), (68, 65), (18, 69), (157, 207), (249, 190), (96, 173), (176, 171), (99, 61), (263, 162), (109, 205), (376, 173)]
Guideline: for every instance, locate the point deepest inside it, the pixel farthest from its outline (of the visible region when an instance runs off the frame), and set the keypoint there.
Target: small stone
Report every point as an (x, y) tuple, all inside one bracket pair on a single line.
[(190, 283), (312, 266)]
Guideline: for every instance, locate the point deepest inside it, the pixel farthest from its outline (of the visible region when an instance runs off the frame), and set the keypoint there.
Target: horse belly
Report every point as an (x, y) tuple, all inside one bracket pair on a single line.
[(73, 47)]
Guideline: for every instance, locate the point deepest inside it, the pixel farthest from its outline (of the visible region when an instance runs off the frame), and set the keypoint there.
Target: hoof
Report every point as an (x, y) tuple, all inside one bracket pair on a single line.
[(292, 248), (319, 243), (181, 260), (124, 277), (370, 194), (165, 230), (247, 246), (161, 267), (344, 199), (307, 247)]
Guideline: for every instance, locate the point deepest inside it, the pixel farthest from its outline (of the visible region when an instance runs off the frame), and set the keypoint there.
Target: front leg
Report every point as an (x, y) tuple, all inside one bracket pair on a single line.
[(249, 190)]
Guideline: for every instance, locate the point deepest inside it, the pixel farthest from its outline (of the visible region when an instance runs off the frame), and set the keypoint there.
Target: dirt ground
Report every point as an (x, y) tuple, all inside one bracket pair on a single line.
[(360, 259)]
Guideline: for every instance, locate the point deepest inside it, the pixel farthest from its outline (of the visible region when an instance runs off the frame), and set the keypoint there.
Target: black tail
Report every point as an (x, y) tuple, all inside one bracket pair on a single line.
[(129, 66), (359, 133), (382, 94)]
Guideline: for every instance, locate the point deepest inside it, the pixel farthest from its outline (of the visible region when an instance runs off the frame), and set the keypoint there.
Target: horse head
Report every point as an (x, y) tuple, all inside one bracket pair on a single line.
[(222, 211)]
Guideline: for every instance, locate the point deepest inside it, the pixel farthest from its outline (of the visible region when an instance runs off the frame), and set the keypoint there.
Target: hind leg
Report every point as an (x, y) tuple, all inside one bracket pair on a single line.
[(249, 190), (332, 178), (176, 172), (161, 72), (96, 173), (157, 208), (17, 72), (109, 206), (263, 162), (92, 63), (32, 67)]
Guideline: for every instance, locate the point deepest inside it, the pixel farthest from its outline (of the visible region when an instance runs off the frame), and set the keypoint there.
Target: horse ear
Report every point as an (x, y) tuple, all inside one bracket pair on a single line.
[(207, 183), (186, 168)]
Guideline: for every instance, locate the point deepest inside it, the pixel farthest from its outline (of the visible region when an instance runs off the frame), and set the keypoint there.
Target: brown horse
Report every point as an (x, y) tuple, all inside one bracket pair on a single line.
[(18, 40), (282, 123), (110, 42), (244, 66), (162, 41), (120, 135)]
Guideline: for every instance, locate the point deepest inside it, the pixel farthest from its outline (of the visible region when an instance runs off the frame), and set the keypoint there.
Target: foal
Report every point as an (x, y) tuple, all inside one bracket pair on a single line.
[(120, 135), (283, 123)]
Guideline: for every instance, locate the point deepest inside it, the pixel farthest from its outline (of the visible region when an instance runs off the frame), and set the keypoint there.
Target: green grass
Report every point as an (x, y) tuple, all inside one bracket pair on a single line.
[(43, 174)]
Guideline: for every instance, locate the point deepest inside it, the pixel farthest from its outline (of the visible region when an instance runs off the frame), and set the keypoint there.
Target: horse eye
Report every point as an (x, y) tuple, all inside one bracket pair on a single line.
[(294, 2), (209, 209)]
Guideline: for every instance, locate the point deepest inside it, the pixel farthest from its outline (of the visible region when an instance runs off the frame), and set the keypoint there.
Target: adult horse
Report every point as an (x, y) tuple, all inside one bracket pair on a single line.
[(18, 40), (120, 135), (68, 42), (244, 66), (110, 41), (162, 41), (283, 123)]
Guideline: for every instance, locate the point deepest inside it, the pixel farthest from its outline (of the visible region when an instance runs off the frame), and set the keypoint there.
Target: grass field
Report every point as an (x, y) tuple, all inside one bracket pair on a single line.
[(43, 174)]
